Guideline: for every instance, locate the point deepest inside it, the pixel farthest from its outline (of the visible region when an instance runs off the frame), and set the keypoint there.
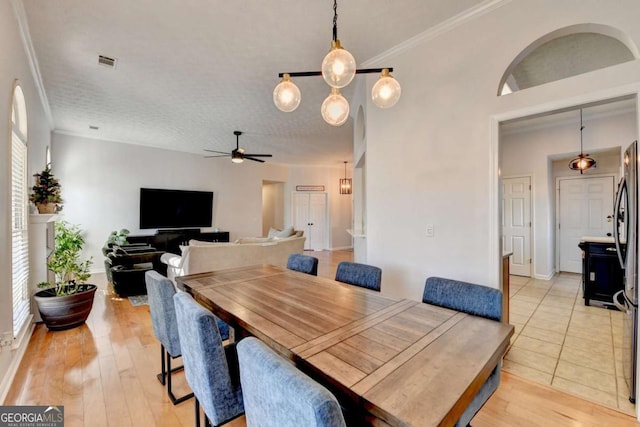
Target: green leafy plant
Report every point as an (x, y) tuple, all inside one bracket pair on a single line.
[(65, 263), (119, 237), (46, 189)]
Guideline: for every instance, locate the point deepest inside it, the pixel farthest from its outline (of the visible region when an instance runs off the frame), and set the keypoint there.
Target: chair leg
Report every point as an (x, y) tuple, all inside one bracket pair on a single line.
[(174, 400), (163, 373), (197, 405)]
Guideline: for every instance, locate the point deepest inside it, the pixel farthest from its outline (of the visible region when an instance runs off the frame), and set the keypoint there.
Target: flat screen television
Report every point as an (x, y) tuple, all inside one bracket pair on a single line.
[(160, 208)]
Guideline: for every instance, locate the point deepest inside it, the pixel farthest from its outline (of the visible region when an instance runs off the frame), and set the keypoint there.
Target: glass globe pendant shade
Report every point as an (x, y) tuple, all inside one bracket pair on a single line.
[(386, 91), (339, 66), (286, 95), (335, 109)]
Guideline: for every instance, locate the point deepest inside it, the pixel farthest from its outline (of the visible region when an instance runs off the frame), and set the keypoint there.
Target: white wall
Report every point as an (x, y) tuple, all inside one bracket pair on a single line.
[(432, 159), (14, 65), (530, 153)]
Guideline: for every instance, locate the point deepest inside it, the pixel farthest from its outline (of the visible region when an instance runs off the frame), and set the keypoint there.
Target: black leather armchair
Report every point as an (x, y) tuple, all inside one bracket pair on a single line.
[(126, 265)]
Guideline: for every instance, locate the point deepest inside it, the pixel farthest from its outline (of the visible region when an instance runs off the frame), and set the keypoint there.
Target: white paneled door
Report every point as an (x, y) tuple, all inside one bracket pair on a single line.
[(586, 209), (310, 215), (516, 224)]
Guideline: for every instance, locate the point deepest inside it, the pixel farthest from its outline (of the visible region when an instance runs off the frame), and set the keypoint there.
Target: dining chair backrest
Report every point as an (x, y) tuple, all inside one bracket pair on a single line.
[(462, 296), (210, 368), (363, 275), (160, 292), (303, 263), (277, 394)]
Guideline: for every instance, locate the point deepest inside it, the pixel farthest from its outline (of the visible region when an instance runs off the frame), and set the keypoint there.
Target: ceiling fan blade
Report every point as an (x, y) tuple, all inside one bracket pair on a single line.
[(216, 151), (254, 159), (221, 155), (258, 155)]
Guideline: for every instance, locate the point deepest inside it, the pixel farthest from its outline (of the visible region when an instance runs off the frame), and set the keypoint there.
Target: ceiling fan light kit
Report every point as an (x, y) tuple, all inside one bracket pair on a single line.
[(338, 70), (583, 161), (238, 155)]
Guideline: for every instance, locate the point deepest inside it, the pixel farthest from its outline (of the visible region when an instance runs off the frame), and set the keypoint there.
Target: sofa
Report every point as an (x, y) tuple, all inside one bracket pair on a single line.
[(200, 257)]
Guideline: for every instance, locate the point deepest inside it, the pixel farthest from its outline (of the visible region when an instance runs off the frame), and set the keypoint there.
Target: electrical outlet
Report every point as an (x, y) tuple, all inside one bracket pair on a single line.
[(6, 339), (430, 231)]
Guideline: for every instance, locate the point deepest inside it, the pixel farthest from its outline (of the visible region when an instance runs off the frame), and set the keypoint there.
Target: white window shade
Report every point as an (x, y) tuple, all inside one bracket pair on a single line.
[(19, 233)]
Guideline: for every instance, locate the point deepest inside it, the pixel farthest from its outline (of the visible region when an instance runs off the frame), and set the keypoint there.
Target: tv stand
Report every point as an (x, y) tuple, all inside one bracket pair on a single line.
[(171, 240), (179, 230)]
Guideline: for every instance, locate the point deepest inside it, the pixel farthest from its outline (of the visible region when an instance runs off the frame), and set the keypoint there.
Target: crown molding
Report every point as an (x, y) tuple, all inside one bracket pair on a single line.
[(437, 30), (25, 36)]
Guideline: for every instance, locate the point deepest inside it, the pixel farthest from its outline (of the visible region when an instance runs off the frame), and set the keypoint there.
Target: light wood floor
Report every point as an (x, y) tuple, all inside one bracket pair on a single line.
[(104, 375)]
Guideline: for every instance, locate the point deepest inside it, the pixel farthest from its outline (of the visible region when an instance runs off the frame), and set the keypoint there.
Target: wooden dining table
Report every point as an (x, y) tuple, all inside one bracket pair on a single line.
[(392, 361)]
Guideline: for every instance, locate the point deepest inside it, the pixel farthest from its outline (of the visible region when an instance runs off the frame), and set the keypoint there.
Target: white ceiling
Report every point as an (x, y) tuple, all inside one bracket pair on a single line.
[(190, 72)]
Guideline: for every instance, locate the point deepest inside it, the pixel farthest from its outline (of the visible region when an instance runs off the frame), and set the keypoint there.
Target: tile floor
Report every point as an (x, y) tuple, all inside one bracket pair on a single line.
[(560, 342)]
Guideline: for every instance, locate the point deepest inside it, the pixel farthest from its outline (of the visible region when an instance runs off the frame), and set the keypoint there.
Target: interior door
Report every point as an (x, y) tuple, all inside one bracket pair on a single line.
[(310, 215), (586, 209), (318, 220), (516, 227)]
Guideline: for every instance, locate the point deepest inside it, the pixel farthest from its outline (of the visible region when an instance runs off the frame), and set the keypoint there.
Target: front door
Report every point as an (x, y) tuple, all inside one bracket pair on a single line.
[(516, 224), (586, 209)]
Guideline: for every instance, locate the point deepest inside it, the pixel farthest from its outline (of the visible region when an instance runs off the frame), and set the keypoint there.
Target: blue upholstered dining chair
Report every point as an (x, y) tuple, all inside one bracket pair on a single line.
[(473, 299), (160, 291), (211, 368), (276, 394), (303, 263), (353, 273)]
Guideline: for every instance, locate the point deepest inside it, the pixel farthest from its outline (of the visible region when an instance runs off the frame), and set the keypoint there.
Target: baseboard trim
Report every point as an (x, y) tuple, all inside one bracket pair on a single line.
[(341, 248), (544, 277), (15, 363)]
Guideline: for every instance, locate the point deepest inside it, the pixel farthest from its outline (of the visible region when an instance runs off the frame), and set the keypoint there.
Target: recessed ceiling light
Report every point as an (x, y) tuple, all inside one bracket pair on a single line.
[(106, 61), (92, 127)]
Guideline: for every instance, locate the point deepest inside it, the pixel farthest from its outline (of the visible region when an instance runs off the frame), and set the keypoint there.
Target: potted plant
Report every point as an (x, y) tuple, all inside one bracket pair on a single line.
[(118, 237), (45, 194), (67, 302)]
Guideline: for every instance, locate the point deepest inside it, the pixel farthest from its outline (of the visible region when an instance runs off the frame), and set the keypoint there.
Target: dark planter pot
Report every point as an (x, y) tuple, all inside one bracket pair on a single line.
[(65, 312)]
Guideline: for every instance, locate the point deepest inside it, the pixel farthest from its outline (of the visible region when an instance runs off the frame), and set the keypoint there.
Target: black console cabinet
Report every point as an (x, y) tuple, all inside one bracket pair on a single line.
[(602, 275), (171, 240)]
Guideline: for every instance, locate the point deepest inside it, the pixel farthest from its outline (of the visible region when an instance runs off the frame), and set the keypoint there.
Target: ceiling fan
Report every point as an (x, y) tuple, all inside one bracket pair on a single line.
[(238, 155)]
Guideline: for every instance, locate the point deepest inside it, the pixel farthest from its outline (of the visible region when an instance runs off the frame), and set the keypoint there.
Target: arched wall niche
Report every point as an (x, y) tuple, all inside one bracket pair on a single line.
[(567, 52)]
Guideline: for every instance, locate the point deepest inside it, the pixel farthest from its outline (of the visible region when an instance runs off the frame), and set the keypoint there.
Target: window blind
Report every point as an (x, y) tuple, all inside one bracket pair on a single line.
[(19, 233)]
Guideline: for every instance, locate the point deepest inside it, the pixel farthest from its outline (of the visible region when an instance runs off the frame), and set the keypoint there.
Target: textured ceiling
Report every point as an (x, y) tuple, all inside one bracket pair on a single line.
[(190, 72)]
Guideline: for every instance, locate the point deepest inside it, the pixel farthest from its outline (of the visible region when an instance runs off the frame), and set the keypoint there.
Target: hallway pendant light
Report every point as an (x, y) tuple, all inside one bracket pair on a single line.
[(345, 184), (338, 70), (583, 161)]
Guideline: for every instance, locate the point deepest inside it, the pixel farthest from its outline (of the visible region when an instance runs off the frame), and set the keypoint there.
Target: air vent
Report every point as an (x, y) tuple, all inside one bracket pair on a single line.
[(106, 61)]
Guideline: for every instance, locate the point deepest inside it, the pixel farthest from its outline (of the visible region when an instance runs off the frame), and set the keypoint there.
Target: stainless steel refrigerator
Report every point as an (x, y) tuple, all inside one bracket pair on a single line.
[(626, 220)]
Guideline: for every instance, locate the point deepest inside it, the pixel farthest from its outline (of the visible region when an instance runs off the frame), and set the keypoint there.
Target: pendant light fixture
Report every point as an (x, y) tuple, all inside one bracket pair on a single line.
[(345, 184), (583, 161), (338, 70)]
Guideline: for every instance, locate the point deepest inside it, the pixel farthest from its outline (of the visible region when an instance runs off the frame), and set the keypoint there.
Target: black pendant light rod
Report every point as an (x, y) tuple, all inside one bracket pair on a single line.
[(319, 73), (581, 129), (335, 21)]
